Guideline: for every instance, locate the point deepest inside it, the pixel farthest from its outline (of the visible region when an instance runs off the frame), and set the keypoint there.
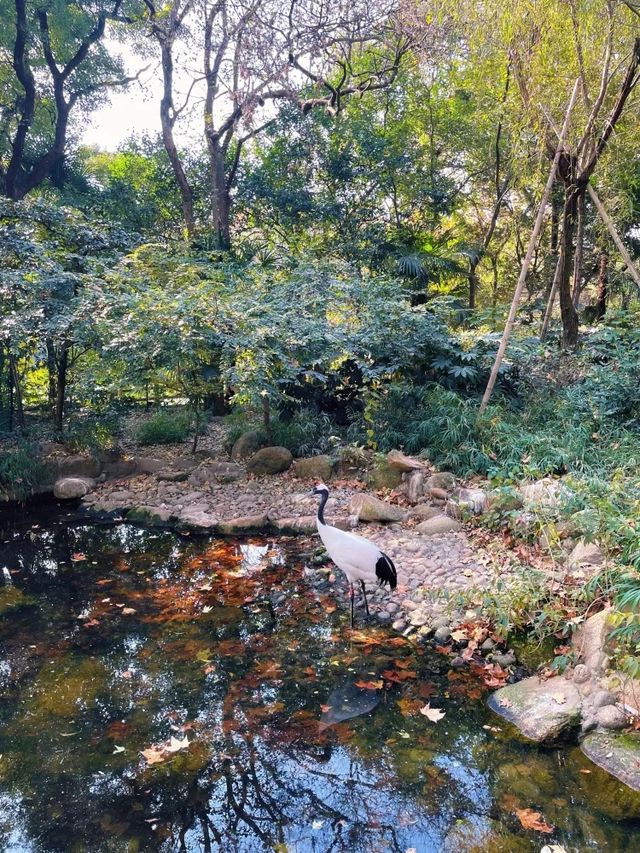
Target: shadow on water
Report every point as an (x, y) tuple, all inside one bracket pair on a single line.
[(177, 694)]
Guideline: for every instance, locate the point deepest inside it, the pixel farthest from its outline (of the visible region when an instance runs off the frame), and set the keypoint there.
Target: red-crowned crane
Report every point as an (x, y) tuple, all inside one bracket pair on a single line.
[(358, 558)]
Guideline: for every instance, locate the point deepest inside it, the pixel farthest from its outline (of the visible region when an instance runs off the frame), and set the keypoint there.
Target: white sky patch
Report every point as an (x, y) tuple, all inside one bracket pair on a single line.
[(136, 110)]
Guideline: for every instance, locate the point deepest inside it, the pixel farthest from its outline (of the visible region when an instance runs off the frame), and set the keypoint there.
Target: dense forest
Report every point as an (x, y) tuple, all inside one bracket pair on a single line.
[(327, 230)]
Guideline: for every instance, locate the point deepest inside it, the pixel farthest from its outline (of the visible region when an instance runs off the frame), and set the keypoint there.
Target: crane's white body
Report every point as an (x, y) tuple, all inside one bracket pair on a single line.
[(355, 556), (361, 561)]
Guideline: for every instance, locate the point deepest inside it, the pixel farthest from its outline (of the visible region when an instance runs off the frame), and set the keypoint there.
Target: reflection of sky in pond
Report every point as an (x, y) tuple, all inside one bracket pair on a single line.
[(227, 645)]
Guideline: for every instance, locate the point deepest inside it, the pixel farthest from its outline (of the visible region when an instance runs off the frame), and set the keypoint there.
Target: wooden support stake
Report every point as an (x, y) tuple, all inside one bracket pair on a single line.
[(635, 275), (552, 298), (530, 250)]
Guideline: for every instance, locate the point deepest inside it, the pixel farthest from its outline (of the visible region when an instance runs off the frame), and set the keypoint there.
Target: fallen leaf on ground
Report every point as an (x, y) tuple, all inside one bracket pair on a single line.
[(531, 819), (553, 848), (459, 635), (560, 698), (506, 703), (207, 609), (128, 611), (433, 714), (117, 749)]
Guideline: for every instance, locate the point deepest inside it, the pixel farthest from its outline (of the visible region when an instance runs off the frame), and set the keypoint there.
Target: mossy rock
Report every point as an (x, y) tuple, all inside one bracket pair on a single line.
[(619, 755), (384, 476)]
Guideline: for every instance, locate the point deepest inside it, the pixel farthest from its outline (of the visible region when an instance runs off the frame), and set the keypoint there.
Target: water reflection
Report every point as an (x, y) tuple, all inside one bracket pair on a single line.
[(115, 640)]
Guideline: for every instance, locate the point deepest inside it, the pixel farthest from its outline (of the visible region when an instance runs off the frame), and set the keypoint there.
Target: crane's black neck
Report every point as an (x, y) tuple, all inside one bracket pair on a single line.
[(324, 497)]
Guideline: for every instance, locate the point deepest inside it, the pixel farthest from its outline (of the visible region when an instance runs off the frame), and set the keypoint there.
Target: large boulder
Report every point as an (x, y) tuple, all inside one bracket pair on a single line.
[(369, 508), (467, 500), (197, 520), (303, 525), (248, 444), (544, 711), (397, 459), (68, 488), (352, 461), (618, 754), (441, 481), (547, 493), (414, 486), (78, 466), (384, 476), (270, 460), (586, 554), (116, 469), (437, 525), (215, 472), (313, 468), (149, 464)]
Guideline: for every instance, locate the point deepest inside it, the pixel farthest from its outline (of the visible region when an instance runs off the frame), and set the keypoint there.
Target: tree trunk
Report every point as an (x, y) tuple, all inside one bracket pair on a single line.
[(17, 389), (473, 281), (167, 121), (535, 234), (61, 387), (579, 253), (567, 309), (220, 198), (51, 373), (603, 286)]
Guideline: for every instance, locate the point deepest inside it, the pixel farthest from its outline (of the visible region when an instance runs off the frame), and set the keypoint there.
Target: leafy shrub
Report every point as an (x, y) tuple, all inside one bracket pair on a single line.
[(20, 471), (92, 433), (165, 427)]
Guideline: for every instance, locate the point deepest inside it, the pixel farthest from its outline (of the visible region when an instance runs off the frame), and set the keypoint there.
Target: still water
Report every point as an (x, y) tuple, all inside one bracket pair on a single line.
[(163, 693)]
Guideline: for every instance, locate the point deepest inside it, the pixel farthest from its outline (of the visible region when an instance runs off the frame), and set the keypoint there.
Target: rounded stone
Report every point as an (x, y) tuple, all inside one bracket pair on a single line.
[(442, 634), (601, 698), (580, 674), (270, 460), (611, 717), (69, 488)]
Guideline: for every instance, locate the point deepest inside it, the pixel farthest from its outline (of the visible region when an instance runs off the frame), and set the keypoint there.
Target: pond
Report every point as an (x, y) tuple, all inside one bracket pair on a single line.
[(189, 694)]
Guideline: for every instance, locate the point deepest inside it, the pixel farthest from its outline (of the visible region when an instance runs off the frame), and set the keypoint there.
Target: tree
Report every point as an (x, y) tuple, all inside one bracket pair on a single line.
[(59, 63), (253, 54)]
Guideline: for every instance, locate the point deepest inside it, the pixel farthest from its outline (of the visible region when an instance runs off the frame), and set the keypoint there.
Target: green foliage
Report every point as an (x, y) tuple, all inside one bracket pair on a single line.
[(92, 433), (164, 427), (20, 470)]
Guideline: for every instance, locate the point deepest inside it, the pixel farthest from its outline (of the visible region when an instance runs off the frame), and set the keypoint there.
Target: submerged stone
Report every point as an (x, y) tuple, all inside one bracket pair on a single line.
[(619, 755)]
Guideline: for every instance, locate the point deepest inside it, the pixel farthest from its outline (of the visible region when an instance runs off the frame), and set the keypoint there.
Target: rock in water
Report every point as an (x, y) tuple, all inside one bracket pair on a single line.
[(73, 487), (544, 711), (348, 701), (270, 460), (369, 508), (618, 754)]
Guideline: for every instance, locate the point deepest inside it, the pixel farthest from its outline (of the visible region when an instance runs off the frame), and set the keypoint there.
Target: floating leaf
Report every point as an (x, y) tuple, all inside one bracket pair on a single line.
[(78, 557), (433, 714), (370, 685)]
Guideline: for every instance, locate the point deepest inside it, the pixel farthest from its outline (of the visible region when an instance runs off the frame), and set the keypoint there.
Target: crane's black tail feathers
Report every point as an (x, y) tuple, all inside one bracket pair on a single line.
[(386, 572)]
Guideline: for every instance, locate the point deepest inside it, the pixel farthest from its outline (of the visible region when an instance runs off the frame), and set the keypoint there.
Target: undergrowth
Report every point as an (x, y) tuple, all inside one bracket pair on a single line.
[(21, 471)]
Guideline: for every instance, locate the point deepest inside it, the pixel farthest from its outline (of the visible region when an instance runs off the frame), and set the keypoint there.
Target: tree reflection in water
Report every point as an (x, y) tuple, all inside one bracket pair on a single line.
[(114, 639)]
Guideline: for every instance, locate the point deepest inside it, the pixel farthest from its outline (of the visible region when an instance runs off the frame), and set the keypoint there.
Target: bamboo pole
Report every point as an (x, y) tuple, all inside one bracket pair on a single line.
[(635, 275), (529, 256)]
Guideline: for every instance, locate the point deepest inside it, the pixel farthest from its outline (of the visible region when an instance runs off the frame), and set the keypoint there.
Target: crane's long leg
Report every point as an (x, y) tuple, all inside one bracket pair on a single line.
[(364, 593), (352, 596)]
